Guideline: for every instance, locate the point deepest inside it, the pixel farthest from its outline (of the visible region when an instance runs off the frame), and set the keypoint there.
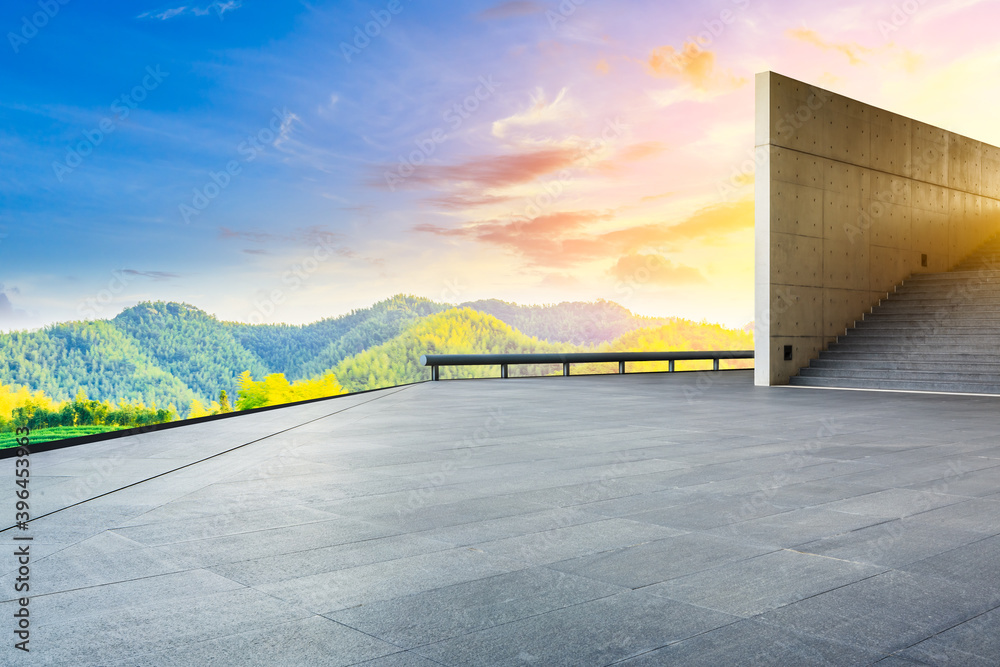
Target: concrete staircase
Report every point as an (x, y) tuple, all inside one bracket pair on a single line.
[(936, 332)]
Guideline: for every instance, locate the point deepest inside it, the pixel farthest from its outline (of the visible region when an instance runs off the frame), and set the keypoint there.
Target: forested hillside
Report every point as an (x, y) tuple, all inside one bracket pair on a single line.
[(456, 331), (308, 350), (95, 357), (159, 358), (189, 344)]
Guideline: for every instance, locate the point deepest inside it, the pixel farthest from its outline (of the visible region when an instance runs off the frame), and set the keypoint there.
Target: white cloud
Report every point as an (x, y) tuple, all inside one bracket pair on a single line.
[(538, 114), (285, 131), (218, 8)]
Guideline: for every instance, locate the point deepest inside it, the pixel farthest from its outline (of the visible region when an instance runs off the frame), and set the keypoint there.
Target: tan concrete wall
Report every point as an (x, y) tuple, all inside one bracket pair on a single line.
[(848, 199)]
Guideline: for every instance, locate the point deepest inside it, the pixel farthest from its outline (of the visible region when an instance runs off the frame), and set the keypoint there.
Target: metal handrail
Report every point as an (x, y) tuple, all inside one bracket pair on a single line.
[(435, 361)]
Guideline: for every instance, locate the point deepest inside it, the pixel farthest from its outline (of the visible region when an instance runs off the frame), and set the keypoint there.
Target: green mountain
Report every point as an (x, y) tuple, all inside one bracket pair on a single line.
[(189, 344), (96, 357), (455, 331), (167, 353), (301, 351)]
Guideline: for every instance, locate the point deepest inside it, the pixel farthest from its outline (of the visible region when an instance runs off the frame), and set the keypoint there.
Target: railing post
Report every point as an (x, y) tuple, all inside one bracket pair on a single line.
[(503, 370), (435, 374), (715, 364), (566, 369), (670, 366), (621, 368)]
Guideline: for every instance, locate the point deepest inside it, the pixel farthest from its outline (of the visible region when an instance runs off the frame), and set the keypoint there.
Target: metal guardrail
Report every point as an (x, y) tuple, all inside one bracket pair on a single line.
[(435, 361)]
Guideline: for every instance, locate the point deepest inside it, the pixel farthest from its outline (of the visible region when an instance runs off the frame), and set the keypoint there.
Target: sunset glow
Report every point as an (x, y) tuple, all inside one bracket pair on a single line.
[(288, 163)]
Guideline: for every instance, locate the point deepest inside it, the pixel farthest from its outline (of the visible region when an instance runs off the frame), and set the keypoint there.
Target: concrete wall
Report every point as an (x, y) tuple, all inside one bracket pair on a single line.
[(849, 198)]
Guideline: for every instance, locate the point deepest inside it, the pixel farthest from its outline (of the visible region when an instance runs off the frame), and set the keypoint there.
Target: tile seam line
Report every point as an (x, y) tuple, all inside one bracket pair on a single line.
[(881, 171), (939, 632), (207, 458)]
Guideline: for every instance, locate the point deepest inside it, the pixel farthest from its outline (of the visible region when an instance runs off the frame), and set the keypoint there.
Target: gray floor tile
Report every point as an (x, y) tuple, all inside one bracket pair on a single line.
[(976, 483), (332, 591), (322, 560), (65, 607), (561, 543), (710, 513), (811, 494), (796, 527), (497, 529), (309, 641), (103, 559), (753, 586), (592, 633), (974, 563), (896, 503), (886, 613), (456, 610), (657, 561), (220, 524), (122, 633), (892, 544), (979, 515), (975, 643), (402, 659), (749, 643), (272, 542)]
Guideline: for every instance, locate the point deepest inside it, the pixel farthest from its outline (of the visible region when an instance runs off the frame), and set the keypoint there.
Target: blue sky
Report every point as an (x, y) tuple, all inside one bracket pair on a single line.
[(272, 162)]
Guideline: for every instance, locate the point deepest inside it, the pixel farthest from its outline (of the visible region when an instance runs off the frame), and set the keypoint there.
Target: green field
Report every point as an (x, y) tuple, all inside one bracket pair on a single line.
[(59, 433)]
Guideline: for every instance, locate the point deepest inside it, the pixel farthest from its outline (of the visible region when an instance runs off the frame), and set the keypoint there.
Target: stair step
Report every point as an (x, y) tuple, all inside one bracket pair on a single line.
[(904, 355), (971, 319), (924, 308), (969, 275), (902, 375), (987, 291), (894, 364), (917, 337), (894, 329), (850, 383), (891, 348)]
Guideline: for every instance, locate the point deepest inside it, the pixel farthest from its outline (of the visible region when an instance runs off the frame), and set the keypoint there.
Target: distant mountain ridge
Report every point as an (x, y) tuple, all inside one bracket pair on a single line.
[(174, 353)]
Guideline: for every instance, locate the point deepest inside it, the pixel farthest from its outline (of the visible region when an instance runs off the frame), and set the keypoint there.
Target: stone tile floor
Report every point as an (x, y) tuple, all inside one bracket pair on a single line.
[(681, 519)]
